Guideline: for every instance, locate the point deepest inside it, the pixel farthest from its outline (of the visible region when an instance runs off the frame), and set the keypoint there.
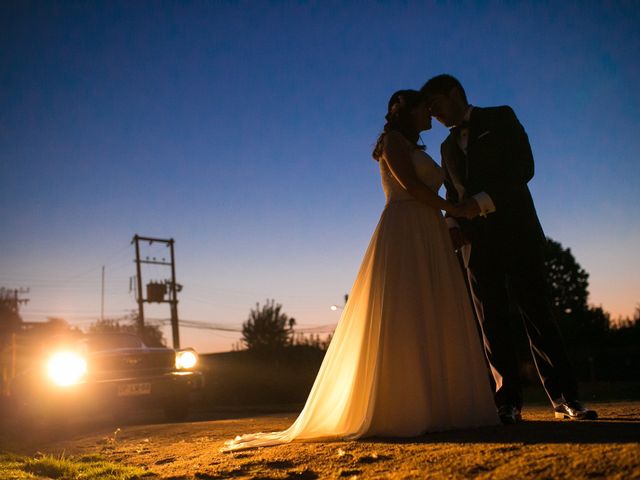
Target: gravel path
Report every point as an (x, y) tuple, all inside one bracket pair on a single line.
[(539, 448)]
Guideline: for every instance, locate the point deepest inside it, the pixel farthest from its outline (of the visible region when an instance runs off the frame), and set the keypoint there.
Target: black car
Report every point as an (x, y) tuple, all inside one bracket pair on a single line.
[(107, 372)]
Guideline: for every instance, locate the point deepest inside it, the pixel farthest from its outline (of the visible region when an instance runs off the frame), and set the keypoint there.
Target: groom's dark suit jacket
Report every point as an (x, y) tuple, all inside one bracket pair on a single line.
[(499, 162)]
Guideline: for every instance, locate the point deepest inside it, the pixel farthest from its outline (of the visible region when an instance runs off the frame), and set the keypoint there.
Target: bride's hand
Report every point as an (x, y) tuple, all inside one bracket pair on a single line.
[(468, 209)]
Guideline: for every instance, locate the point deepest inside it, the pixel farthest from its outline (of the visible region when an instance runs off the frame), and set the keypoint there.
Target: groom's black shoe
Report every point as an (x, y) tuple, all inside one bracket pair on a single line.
[(509, 414), (574, 410)]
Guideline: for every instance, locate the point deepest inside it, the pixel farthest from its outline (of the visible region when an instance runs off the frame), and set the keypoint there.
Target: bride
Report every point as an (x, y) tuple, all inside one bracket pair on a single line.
[(405, 358)]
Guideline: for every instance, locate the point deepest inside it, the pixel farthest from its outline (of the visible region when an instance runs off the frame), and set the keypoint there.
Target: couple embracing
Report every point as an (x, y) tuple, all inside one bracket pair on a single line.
[(406, 358)]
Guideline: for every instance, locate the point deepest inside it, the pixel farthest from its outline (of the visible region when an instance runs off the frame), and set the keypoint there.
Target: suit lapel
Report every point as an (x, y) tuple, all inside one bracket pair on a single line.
[(475, 129), (455, 162)]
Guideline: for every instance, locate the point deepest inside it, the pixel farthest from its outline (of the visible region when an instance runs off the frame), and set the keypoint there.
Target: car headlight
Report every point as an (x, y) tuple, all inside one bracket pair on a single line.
[(186, 359), (66, 368)]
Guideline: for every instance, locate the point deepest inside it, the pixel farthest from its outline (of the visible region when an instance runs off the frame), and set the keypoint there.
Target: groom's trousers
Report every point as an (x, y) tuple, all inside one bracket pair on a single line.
[(501, 278)]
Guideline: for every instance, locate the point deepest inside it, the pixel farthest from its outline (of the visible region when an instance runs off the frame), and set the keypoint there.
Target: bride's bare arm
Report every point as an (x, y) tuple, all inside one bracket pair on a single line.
[(397, 154)]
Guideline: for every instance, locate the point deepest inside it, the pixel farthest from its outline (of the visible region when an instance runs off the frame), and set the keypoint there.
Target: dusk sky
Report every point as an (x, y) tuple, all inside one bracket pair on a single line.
[(244, 131)]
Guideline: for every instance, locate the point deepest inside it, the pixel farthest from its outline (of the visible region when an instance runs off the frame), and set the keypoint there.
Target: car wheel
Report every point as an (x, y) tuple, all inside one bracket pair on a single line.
[(121, 415), (23, 417), (176, 409), (57, 421)]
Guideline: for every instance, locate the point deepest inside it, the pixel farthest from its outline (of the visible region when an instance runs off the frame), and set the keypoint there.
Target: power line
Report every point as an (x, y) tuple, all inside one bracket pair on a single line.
[(74, 276), (329, 328)]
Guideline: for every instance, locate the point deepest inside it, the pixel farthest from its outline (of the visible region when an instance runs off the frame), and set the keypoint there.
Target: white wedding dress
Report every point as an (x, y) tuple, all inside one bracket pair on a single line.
[(405, 358)]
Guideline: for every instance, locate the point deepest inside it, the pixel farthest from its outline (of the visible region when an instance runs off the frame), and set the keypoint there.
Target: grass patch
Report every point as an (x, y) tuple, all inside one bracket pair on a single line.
[(17, 467)]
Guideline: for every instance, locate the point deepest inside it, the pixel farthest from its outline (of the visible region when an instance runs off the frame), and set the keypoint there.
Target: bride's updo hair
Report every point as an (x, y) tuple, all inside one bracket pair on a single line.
[(399, 119)]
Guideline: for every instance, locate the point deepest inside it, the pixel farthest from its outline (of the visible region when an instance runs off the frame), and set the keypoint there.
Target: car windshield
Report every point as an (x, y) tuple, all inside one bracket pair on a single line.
[(111, 342)]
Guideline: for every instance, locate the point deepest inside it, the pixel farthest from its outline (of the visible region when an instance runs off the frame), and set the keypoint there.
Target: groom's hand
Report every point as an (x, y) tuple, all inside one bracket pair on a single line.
[(457, 238), (469, 209)]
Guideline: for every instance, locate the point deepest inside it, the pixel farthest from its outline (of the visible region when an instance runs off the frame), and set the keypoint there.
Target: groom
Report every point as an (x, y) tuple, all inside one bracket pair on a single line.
[(488, 162)]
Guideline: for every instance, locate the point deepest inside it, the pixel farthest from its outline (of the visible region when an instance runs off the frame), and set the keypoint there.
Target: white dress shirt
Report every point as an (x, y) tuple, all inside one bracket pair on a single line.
[(484, 201)]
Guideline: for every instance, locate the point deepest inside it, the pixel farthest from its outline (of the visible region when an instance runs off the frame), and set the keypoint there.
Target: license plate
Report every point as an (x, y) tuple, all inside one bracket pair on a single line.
[(134, 389)]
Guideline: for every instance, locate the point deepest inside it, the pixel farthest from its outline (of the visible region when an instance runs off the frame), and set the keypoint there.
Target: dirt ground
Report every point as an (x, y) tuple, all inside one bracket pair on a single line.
[(539, 448)]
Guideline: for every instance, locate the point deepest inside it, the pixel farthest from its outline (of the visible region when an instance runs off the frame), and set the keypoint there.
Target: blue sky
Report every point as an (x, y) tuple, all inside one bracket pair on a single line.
[(243, 130)]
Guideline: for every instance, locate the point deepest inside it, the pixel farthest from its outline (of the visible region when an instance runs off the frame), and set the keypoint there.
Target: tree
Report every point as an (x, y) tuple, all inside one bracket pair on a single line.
[(567, 280), (569, 290), (626, 331), (313, 341), (151, 335), (268, 327)]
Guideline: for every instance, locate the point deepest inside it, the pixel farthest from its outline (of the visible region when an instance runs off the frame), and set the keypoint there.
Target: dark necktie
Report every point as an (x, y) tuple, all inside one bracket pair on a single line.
[(456, 130)]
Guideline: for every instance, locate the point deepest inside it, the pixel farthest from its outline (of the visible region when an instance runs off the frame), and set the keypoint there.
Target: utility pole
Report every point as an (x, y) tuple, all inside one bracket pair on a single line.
[(139, 296), (11, 297), (12, 301), (174, 299), (156, 291)]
